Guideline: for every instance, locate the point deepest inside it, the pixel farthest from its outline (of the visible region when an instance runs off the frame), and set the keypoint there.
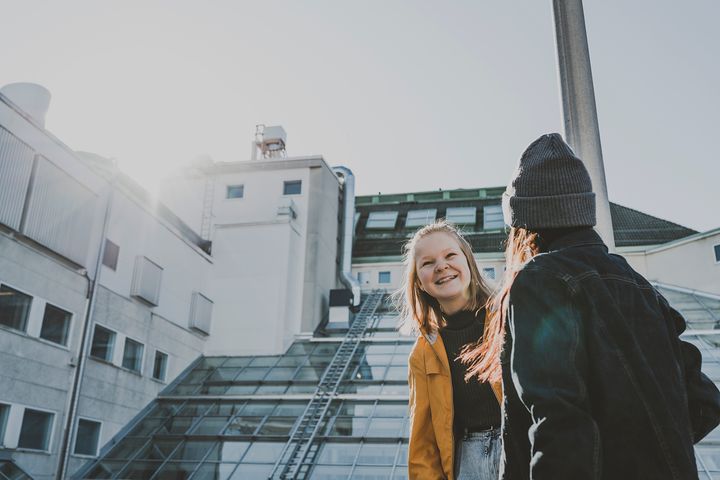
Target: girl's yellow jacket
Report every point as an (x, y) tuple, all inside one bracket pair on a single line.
[(432, 445)]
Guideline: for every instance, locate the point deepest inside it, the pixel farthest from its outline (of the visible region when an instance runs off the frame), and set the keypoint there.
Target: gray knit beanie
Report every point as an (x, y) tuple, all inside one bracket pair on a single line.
[(550, 189)]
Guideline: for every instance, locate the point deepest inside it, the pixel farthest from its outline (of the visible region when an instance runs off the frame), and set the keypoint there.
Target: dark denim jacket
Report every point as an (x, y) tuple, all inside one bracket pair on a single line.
[(597, 383)]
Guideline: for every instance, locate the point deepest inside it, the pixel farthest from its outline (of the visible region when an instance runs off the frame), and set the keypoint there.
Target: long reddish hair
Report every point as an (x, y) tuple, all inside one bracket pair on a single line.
[(420, 312), (483, 357)]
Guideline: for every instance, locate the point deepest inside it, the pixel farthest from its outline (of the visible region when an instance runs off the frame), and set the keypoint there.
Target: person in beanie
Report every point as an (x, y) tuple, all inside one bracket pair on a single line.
[(597, 384)]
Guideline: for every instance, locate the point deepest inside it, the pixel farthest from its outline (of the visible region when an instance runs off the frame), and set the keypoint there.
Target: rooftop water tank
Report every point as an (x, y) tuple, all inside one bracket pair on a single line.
[(32, 98)]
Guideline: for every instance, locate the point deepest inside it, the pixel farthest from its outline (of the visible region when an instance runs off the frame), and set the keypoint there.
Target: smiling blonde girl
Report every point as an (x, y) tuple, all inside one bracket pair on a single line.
[(454, 431)]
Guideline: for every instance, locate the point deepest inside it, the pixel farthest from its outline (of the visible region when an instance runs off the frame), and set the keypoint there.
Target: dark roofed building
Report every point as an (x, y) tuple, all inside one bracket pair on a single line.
[(384, 222)]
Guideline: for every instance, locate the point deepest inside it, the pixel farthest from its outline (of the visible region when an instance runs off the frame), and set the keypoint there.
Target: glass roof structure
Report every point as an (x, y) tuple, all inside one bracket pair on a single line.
[(10, 471), (231, 417)]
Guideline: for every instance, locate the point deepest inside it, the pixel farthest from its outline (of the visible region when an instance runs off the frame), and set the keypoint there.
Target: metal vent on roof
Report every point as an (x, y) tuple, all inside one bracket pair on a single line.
[(16, 161)]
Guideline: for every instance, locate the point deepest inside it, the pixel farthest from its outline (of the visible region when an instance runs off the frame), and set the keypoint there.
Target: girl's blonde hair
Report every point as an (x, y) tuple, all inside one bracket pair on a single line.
[(483, 358), (420, 312)]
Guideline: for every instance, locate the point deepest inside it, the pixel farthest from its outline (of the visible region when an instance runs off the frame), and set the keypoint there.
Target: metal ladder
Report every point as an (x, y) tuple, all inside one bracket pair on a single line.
[(208, 199), (299, 453)]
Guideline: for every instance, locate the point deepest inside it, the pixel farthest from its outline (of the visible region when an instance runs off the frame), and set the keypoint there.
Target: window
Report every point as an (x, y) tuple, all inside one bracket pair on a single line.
[(4, 414), (87, 437), (103, 344), (160, 366), (35, 430), (381, 220), (493, 217), (419, 218), (235, 191), (717, 253), (461, 215), (489, 272), (14, 308), (110, 255), (292, 187), (132, 355), (383, 277), (55, 325)]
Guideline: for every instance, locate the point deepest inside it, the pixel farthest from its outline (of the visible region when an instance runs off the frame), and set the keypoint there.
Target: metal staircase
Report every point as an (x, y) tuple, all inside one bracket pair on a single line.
[(298, 456)]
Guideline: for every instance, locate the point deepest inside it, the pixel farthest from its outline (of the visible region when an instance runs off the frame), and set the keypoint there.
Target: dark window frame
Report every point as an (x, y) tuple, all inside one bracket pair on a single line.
[(47, 433), (289, 187), (96, 440), (163, 375), (65, 336), (110, 349), (137, 368), (111, 254), (235, 188), (4, 291)]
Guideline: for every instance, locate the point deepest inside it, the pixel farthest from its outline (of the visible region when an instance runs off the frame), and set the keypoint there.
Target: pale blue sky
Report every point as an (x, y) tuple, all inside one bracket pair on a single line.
[(411, 95)]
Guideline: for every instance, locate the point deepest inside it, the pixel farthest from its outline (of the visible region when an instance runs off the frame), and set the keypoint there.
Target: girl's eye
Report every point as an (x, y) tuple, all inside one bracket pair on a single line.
[(425, 264), (451, 254)]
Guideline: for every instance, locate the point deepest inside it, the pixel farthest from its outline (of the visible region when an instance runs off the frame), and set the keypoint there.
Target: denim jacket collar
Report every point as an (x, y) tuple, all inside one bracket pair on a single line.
[(580, 237)]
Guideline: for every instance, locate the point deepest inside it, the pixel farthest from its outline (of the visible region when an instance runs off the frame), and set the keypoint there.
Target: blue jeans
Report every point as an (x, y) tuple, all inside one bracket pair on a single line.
[(478, 456)]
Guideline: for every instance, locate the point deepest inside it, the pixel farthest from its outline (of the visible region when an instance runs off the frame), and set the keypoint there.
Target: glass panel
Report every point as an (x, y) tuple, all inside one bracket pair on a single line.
[(126, 448), (174, 471), (330, 472), (493, 217), (259, 408), (419, 218), (243, 425), (160, 365), (4, 413), (35, 430), (210, 426), (246, 472), (14, 308), (371, 473), (106, 470), (338, 453), (87, 437), (235, 191), (381, 220), (293, 187), (193, 450), (277, 426), (385, 427), (140, 469), (264, 452), (225, 408), (280, 373), (397, 373), (349, 427), (155, 450), (251, 373), (55, 325), (132, 355), (214, 471), (377, 454), (384, 277), (461, 215), (103, 343), (232, 451)]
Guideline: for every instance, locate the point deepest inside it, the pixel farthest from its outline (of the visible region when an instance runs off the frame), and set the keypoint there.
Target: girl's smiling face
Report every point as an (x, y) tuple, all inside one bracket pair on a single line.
[(443, 271)]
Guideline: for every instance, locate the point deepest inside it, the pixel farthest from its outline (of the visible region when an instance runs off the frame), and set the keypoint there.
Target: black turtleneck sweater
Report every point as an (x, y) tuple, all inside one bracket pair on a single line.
[(475, 404)]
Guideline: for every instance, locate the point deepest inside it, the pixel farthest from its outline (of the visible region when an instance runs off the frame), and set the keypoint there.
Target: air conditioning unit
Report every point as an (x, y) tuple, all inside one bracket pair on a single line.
[(146, 280), (201, 313)]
